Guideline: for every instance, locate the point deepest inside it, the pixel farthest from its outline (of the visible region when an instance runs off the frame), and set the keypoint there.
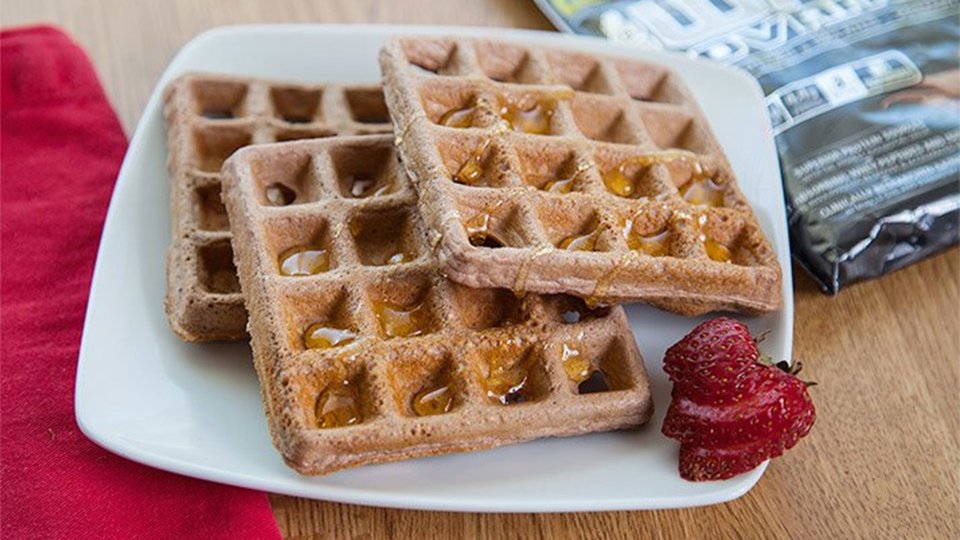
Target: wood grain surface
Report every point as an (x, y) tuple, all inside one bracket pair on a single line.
[(883, 460)]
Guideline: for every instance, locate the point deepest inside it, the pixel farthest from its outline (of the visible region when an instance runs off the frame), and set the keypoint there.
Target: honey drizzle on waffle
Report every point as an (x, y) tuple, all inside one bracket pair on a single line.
[(520, 282), (338, 406), (433, 400), (339, 403), (580, 370), (304, 261), (478, 226), (581, 242), (619, 183), (324, 335), (458, 118), (575, 363), (597, 297), (530, 113), (656, 244), (714, 250), (563, 181), (472, 170), (507, 382), (401, 320)]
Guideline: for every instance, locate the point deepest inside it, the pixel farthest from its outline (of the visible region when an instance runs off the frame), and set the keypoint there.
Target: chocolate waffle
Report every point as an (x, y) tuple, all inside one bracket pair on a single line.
[(208, 117), (560, 172), (367, 354)]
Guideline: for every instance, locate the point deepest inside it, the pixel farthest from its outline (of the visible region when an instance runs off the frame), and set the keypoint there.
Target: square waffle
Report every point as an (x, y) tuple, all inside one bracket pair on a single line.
[(552, 171), (208, 117), (367, 354)]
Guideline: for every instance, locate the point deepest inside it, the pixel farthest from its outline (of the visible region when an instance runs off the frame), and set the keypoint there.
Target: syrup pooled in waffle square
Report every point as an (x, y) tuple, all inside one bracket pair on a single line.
[(367, 354), (208, 117), (560, 172)]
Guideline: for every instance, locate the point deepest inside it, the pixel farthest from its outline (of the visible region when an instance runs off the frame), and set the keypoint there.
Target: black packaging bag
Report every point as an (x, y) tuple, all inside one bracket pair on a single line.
[(864, 101)]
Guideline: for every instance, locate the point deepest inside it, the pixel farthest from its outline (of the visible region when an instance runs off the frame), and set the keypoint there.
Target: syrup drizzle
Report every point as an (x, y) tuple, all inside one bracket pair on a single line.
[(520, 282), (703, 190), (564, 184), (560, 186), (322, 336), (507, 383), (478, 228), (472, 170), (402, 321), (433, 400), (654, 245), (530, 114), (338, 405), (458, 118), (599, 293), (575, 364), (581, 242), (715, 250), (621, 184), (304, 261)]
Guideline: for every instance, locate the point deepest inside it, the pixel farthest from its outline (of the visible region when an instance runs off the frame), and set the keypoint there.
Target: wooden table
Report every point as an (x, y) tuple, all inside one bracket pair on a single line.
[(883, 458)]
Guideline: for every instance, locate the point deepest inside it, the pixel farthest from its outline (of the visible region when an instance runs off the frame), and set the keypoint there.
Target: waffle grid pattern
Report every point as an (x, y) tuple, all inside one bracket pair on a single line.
[(466, 334), (208, 117), (601, 115)]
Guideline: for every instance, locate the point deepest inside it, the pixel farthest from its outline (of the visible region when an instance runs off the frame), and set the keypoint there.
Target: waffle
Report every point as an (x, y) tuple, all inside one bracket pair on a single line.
[(208, 117), (331, 269), (559, 172)]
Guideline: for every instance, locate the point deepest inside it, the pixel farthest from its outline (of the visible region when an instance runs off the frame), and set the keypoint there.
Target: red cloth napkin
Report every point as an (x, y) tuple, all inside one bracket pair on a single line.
[(61, 147)]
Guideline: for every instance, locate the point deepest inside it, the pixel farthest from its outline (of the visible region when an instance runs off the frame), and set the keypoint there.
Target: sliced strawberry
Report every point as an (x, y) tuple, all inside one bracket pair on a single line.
[(729, 411), (708, 364), (698, 463), (773, 410)]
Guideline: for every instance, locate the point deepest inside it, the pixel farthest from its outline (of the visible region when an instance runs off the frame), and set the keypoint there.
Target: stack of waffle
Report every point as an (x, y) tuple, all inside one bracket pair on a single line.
[(208, 118), (450, 286)]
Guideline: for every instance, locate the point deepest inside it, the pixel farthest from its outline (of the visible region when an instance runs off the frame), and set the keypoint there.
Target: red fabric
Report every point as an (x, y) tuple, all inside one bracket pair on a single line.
[(60, 150)]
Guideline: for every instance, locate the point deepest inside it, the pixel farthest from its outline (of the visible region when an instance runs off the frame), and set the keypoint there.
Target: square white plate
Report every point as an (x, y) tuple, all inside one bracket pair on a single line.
[(195, 409)]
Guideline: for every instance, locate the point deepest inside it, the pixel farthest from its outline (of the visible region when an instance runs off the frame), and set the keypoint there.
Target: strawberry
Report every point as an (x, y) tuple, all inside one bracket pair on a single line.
[(730, 410)]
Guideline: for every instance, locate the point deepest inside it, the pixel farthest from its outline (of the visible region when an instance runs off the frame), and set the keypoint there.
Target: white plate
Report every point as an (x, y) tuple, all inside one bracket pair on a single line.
[(195, 409)]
